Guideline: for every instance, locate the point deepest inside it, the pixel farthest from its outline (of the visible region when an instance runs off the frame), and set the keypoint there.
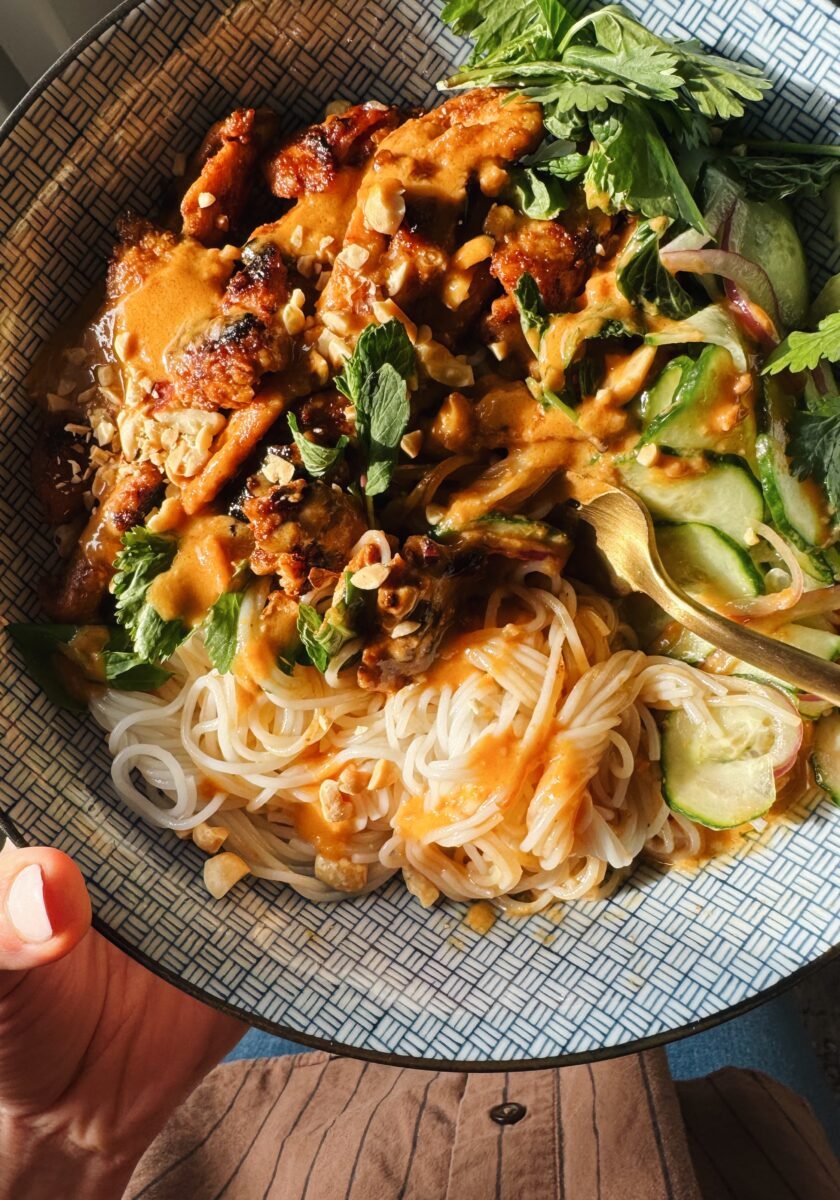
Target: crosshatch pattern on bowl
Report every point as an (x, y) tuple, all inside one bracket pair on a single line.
[(378, 974)]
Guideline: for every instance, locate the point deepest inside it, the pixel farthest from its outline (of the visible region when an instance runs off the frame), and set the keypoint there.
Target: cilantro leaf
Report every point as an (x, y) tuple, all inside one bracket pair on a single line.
[(374, 379), (717, 85), (496, 24), (220, 628), (631, 167), (144, 556), (529, 301), (774, 178), (641, 277), (804, 351), (317, 460), (815, 446)]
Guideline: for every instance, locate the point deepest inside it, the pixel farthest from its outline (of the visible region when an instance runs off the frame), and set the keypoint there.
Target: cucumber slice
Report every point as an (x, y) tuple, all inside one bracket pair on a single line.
[(765, 234), (659, 634), (686, 646), (826, 303), (815, 564), (819, 642), (660, 395), (707, 563), (722, 773), (797, 506), (725, 496), (705, 389), (826, 756)]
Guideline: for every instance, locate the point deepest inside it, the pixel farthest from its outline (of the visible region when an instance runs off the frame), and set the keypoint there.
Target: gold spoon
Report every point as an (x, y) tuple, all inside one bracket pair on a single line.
[(625, 536)]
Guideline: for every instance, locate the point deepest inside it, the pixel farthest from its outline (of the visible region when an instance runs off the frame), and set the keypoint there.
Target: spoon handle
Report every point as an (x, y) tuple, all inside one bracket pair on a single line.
[(796, 667)]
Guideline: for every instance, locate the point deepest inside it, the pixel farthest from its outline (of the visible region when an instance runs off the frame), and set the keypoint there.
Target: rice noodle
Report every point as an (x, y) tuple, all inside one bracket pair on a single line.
[(522, 769)]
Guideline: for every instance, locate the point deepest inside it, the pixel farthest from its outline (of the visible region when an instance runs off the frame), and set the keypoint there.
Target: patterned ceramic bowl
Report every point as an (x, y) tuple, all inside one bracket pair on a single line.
[(377, 976)]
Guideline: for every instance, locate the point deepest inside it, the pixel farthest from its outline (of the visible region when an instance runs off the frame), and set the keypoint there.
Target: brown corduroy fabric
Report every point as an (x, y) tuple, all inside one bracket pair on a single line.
[(314, 1127)]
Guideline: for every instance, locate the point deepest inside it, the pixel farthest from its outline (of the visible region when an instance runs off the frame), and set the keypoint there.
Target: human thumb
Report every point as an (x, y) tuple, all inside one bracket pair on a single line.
[(44, 909)]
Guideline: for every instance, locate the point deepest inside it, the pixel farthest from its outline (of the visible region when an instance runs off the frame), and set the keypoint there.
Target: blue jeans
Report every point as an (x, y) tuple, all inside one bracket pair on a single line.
[(770, 1038)]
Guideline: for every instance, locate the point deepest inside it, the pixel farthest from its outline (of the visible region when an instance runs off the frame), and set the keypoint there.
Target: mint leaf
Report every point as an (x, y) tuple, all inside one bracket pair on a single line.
[(537, 194), (386, 411), (374, 379), (322, 638), (144, 556), (220, 628), (309, 624), (376, 346), (529, 301), (40, 644), (641, 277), (814, 446), (317, 460), (804, 351), (37, 646), (129, 673), (559, 159)]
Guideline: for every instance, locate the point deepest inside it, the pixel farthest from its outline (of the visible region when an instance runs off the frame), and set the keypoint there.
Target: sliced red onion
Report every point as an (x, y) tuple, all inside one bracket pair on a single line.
[(749, 283), (753, 320)]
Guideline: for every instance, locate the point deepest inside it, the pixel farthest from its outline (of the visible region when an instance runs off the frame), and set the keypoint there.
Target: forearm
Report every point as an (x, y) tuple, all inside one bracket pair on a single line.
[(43, 1167)]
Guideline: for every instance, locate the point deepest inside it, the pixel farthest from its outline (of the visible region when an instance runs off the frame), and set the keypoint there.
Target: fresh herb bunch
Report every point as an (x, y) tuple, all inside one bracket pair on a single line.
[(607, 80)]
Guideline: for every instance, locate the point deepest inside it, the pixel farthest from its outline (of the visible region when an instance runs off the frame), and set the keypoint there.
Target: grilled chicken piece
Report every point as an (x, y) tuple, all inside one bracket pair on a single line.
[(298, 526), (558, 258), (222, 368), (77, 596), (415, 193), (59, 463), (141, 247), (426, 584), (214, 202), (326, 414), (260, 286), (310, 161), (193, 325)]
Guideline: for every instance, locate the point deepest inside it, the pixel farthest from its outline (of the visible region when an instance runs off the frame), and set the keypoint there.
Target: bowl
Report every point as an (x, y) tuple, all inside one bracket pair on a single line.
[(671, 951)]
